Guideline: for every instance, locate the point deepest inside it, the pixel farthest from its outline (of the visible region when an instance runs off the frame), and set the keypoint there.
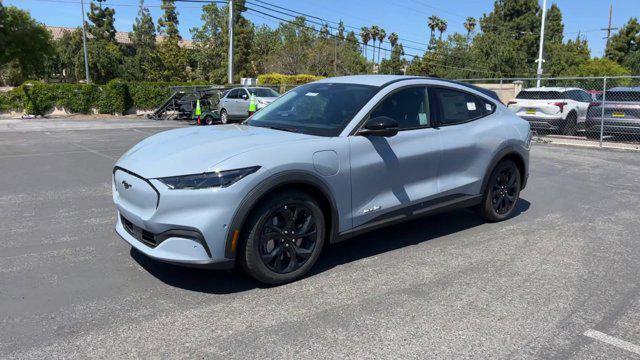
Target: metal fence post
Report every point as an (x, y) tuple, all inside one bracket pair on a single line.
[(604, 99)]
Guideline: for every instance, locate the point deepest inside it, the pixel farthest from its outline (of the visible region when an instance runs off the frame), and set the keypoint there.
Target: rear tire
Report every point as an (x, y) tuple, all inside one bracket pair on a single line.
[(224, 117), (501, 193), (284, 237), (570, 124), (208, 120)]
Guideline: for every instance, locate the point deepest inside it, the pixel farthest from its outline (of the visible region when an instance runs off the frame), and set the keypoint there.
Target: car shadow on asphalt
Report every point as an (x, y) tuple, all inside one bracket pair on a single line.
[(371, 244)]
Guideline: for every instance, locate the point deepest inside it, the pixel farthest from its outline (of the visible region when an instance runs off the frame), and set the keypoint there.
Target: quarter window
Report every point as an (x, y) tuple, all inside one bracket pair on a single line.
[(457, 106), (408, 107)]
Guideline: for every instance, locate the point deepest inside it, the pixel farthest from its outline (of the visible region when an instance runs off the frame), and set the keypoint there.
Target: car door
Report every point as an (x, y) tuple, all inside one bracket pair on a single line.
[(243, 103), (389, 174), (468, 141), (583, 104), (228, 102)]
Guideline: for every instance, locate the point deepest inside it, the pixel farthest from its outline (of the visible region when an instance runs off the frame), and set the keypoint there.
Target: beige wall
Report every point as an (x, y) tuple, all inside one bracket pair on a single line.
[(506, 91)]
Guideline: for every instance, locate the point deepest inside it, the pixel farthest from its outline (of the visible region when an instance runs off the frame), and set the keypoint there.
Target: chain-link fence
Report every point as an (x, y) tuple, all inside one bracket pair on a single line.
[(589, 110)]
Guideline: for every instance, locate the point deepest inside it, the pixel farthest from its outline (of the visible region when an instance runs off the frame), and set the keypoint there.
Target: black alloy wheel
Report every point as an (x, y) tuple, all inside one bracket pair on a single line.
[(288, 238), (502, 192), (282, 237)]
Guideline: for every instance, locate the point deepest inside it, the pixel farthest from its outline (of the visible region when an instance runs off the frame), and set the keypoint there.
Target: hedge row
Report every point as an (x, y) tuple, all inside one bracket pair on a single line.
[(281, 79), (116, 97)]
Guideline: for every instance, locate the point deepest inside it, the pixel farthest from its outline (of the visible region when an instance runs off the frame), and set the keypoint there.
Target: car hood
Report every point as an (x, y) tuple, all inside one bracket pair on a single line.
[(267, 99), (196, 150)]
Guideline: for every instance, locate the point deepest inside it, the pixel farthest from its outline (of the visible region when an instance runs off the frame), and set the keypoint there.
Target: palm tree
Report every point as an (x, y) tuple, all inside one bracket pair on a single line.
[(470, 25), (375, 31), (381, 35), (365, 36), (433, 24), (442, 27), (393, 40)]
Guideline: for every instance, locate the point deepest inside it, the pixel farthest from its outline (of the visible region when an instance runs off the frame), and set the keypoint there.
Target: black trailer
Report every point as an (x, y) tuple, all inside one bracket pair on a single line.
[(182, 102)]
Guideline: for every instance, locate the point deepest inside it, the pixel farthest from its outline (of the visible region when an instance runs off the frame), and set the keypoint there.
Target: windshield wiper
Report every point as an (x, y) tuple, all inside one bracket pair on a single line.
[(282, 128)]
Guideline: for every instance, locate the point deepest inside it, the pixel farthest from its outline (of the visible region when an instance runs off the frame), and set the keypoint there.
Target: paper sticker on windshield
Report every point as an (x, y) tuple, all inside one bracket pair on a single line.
[(311, 94), (487, 106), (471, 106)]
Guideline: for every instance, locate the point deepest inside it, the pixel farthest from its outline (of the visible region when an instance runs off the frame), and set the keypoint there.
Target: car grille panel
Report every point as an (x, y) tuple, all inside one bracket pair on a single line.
[(146, 237)]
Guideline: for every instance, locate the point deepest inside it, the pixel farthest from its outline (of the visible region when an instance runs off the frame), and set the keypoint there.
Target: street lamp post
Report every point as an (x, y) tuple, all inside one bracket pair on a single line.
[(540, 60), (84, 45)]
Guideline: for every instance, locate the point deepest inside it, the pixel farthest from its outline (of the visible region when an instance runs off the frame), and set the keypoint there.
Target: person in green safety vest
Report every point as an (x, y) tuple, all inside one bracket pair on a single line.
[(198, 110), (252, 104)]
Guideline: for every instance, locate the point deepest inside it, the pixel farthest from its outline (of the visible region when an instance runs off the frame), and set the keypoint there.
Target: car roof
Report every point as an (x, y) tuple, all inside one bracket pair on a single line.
[(551, 88), (382, 80), (625, 88)]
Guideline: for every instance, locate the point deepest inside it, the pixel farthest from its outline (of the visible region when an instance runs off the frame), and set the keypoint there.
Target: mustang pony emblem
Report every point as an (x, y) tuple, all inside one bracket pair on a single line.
[(126, 184)]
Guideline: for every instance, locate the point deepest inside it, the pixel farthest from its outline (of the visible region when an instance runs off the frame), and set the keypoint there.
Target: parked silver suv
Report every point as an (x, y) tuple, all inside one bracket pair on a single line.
[(325, 162), (234, 104)]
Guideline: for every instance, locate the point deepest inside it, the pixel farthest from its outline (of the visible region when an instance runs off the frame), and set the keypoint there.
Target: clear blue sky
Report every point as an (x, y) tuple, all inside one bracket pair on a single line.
[(405, 17)]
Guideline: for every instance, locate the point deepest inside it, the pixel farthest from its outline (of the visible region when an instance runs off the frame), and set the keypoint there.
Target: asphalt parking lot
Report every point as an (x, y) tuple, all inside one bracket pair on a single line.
[(449, 286)]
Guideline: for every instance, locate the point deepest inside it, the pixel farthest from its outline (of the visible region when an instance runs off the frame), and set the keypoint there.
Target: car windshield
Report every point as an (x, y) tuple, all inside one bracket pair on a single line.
[(539, 95), (263, 92), (322, 109), (624, 96)]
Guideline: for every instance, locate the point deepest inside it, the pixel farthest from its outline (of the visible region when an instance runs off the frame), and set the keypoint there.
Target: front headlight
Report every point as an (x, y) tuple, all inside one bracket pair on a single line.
[(207, 180)]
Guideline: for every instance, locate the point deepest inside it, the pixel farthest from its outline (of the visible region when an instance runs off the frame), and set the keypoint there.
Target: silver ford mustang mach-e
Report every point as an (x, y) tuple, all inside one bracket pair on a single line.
[(324, 162)]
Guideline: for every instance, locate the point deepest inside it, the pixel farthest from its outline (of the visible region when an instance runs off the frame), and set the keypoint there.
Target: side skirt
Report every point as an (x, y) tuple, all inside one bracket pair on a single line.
[(412, 212)]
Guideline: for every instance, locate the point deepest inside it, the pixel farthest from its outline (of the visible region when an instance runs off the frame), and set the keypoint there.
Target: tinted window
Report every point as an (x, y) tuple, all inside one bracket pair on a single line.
[(623, 96), (409, 107), (456, 106), (539, 95), (585, 96), (233, 94), (263, 92), (318, 109)]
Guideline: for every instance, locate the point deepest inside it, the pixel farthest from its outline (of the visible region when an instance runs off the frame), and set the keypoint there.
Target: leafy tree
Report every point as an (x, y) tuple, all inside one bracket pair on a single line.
[(564, 59), (470, 25), (365, 36), (432, 23), (554, 27), (168, 22), (382, 34), (105, 61), (393, 40), (375, 31), (101, 26), (26, 46), (69, 57), (601, 67), (442, 27), (143, 38), (624, 46), (395, 64)]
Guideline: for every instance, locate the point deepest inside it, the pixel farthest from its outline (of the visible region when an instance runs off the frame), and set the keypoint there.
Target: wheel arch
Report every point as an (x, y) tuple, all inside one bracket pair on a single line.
[(508, 153), (300, 180)]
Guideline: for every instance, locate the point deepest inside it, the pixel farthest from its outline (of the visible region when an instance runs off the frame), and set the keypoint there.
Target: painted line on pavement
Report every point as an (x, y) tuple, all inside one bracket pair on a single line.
[(613, 341)]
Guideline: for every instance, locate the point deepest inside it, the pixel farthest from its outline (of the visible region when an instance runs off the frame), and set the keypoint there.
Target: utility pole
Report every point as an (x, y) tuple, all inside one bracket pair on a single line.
[(84, 45), (230, 67), (608, 28), (540, 59)]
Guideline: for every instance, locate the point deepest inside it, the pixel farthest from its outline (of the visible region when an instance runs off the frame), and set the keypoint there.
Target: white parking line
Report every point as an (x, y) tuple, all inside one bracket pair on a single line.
[(612, 341)]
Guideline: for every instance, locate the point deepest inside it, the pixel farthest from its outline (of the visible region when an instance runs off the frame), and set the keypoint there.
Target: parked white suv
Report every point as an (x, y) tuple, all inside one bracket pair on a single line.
[(553, 108)]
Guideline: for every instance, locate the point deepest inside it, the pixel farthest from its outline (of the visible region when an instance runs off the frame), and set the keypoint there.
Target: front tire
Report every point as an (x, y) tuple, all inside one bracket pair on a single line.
[(501, 193), (284, 237), (224, 117)]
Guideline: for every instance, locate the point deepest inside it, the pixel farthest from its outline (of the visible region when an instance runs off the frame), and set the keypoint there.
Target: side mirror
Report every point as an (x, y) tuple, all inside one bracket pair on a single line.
[(380, 126)]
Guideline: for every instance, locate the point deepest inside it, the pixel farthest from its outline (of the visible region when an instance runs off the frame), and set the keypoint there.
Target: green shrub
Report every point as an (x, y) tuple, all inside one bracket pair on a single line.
[(281, 79), (11, 101), (115, 98), (149, 95), (37, 97), (78, 98)]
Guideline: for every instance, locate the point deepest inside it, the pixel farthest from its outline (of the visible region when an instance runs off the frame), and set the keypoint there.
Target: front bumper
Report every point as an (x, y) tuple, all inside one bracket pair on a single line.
[(174, 248), (185, 227)]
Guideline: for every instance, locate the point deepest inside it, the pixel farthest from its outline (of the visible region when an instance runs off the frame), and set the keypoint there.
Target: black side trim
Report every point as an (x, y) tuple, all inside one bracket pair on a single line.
[(265, 187), (139, 177), (427, 208)]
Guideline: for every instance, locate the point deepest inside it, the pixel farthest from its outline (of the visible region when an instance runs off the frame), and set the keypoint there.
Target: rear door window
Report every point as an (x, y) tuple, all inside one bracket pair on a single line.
[(539, 95), (457, 106)]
